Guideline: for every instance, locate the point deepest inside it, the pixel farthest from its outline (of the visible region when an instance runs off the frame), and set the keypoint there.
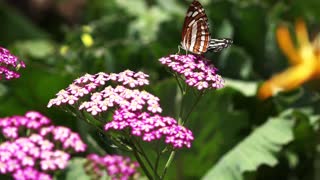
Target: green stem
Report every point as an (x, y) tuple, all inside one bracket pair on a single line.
[(172, 154), (155, 171), (141, 163), (178, 102), (157, 158), (179, 83), (135, 142), (192, 108)]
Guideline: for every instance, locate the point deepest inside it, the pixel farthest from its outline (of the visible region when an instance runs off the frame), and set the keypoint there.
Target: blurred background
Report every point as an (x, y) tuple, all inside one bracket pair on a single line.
[(237, 134)]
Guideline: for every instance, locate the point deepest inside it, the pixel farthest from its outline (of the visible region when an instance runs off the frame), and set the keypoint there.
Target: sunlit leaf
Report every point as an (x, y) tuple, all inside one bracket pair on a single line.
[(136, 7), (255, 150), (172, 7), (247, 88), (148, 24), (36, 48)]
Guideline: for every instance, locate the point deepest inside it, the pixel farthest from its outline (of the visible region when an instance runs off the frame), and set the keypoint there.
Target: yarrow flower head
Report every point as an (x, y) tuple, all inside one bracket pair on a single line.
[(117, 167), (31, 121), (196, 71), (151, 127), (133, 108), (88, 83), (34, 147), (9, 65)]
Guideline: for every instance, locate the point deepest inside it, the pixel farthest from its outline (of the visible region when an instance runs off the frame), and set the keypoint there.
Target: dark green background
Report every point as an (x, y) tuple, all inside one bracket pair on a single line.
[(134, 34)]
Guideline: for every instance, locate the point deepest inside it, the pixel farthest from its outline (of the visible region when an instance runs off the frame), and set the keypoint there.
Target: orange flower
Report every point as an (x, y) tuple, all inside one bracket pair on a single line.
[(304, 60)]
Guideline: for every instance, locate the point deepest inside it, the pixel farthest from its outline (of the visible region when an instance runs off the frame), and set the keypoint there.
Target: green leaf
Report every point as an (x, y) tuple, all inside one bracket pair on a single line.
[(148, 24), (247, 88), (255, 150), (148, 19), (3, 90), (75, 170), (133, 7), (36, 48), (172, 7)]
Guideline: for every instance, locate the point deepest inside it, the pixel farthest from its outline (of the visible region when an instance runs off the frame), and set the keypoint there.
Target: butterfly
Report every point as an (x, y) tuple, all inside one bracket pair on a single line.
[(196, 37)]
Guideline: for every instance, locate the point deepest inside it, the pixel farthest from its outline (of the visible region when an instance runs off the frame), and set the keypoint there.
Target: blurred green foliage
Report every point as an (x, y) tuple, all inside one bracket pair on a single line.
[(237, 136)]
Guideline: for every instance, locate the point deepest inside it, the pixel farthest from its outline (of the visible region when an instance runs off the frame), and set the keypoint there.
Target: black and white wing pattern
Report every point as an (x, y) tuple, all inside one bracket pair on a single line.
[(196, 37)]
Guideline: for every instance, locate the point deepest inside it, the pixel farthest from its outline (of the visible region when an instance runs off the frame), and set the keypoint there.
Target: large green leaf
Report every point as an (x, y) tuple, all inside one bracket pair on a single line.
[(247, 88), (255, 150)]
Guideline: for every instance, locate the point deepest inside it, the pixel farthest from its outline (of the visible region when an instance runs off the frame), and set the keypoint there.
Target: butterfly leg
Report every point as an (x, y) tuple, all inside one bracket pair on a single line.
[(178, 49)]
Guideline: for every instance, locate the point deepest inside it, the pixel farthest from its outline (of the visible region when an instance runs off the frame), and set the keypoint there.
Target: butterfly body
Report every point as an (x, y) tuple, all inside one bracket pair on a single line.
[(196, 37)]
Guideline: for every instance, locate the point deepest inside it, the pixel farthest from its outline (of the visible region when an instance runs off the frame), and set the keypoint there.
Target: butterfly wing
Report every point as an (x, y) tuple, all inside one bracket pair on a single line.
[(217, 45), (195, 28), (196, 36), (200, 37)]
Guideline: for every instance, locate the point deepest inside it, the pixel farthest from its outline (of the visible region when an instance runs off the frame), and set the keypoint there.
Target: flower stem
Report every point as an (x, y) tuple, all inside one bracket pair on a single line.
[(172, 154), (142, 152), (192, 108), (156, 165), (158, 151), (179, 83), (139, 150), (144, 168), (179, 101)]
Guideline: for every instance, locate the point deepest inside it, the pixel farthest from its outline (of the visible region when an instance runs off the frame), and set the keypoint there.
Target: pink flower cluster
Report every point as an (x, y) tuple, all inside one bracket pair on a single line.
[(151, 127), (117, 167), (124, 98), (11, 126), (197, 71), (24, 154), (121, 97), (88, 83), (34, 147), (8, 64)]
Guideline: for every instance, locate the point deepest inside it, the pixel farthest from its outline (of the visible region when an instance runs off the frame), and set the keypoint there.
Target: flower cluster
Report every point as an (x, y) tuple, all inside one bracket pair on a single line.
[(8, 64), (122, 97), (11, 126), (35, 147), (117, 167), (151, 127), (88, 83), (135, 109), (197, 71), (21, 157)]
